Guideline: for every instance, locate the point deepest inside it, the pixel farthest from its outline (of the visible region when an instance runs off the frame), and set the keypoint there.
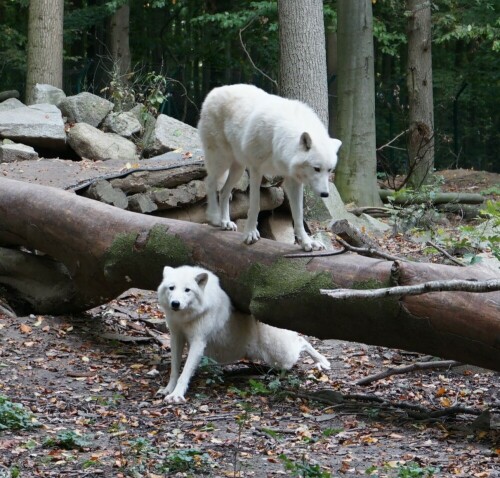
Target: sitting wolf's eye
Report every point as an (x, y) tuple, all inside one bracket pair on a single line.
[(317, 170), (187, 290), (172, 287)]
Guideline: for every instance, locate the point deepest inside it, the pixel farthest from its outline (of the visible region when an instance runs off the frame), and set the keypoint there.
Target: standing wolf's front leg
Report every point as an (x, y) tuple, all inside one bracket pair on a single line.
[(196, 350), (295, 192)]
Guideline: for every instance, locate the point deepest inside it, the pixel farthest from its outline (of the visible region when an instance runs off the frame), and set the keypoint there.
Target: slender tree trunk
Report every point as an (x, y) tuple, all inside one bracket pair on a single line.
[(45, 45), (118, 40), (332, 67), (420, 95), (356, 177), (303, 54)]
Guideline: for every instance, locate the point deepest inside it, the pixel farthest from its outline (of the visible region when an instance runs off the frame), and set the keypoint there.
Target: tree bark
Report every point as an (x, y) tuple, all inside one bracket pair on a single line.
[(45, 45), (105, 250), (356, 176), (118, 40), (303, 54), (420, 94)]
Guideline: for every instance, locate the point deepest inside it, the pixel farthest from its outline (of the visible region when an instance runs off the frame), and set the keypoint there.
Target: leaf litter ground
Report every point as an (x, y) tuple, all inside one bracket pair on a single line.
[(87, 385)]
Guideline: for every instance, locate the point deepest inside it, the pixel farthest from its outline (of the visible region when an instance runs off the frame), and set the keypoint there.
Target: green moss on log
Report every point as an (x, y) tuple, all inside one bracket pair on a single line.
[(285, 281), (139, 258)]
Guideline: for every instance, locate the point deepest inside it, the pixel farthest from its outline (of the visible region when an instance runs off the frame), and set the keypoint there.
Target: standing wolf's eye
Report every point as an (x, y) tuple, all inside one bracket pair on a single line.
[(317, 170), (187, 289), (330, 170), (172, 287)]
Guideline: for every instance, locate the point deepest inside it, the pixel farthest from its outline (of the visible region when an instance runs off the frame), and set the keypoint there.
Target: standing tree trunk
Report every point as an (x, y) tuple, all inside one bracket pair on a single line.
[(303, 54), (45, 44), (356, 177), (420, 95), (118, 40)]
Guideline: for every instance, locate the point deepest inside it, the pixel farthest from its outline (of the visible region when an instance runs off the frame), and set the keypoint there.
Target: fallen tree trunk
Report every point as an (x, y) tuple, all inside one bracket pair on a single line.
[(105, 250), (437, 198)]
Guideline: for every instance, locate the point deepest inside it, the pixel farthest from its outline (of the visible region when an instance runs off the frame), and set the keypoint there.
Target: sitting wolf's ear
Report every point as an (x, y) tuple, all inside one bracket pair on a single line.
[(201, 279), (306, 141), (167, 270)]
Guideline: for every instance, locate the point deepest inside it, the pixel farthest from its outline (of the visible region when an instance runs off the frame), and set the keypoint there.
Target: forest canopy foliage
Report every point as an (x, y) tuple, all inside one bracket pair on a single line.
[(203, 44)]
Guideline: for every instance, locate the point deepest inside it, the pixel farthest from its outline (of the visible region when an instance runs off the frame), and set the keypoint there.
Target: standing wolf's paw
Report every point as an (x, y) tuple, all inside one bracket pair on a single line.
[(174, 398), (228, 226), (250, 237), (310, 245)]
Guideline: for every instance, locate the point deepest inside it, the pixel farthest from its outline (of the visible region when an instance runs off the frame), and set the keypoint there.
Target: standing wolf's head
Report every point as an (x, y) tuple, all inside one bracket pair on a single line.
[(315, 161), (181, 291)]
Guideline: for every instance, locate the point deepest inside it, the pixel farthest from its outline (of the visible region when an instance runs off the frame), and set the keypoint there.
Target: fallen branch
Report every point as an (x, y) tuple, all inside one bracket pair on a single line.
[(370, 251), (414, 410), (446, 254), (438, 198), (407, 369), (431, 286)]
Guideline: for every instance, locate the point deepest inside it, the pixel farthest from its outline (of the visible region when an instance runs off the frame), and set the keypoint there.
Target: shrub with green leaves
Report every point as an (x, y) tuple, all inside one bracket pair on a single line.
[(13, 416)]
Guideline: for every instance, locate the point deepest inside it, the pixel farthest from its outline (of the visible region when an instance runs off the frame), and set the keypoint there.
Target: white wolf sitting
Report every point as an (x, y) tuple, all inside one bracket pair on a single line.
[(242, 126), (199, 313)]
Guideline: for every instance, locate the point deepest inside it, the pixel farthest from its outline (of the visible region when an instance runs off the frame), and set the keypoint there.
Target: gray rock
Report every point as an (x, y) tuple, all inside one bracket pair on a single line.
[(170, 134), (11, 104), (141, 203), (185, 194), (103, 191), (85, 108), (89, 142), (10, 153), (124, 124), (49, 94), (37, 125)]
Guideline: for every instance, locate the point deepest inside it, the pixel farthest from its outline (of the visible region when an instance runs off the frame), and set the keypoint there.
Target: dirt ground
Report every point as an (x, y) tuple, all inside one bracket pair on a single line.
[(88, 383)]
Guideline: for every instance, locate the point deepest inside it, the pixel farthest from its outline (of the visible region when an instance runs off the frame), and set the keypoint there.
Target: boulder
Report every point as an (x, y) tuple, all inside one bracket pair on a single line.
[(85, 108), (124, 124), (11, 104), (48, 94), (170, 134), (40, 126), (327, 210), (13, 152), (89, 142)]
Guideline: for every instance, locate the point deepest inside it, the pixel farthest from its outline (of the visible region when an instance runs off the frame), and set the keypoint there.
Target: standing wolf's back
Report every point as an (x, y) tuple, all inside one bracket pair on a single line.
[(226, 109)]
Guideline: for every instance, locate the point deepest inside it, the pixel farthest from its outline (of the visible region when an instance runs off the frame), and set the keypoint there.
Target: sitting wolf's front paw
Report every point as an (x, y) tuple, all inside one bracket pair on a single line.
[(174, 398), (251, 237)]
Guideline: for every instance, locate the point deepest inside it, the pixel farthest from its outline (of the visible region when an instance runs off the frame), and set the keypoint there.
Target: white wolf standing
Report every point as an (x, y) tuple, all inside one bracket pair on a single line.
[(199, 313), (242, 126)]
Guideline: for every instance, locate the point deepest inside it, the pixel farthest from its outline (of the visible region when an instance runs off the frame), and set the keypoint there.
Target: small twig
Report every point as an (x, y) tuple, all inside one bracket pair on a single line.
[(392, 140), (445, 253), (248, 54), (474, 286), (370, 251), (407, 369)]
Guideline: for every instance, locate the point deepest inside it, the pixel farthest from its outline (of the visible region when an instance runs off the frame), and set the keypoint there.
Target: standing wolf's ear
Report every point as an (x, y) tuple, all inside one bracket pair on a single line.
[(336, 144), (201, 279), (167, 270), (306, 141)]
